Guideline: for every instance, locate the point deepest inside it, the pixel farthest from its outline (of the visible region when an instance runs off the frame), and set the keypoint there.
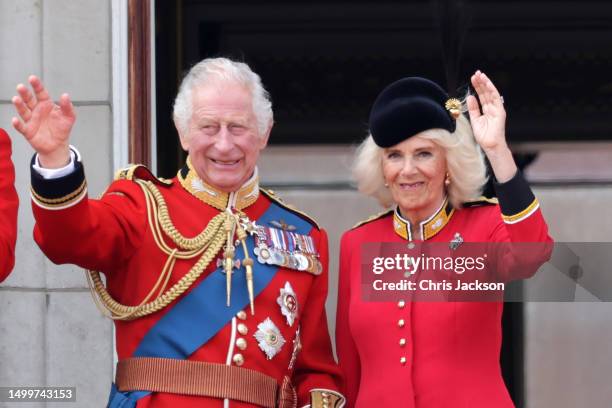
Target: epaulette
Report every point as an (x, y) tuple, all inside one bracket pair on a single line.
[(373, 218), (482, 200), (272, 196), (139, 171)]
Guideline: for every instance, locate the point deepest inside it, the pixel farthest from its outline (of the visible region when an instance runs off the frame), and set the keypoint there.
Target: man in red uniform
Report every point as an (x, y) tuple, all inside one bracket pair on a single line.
[(217, 288), (8, 208)]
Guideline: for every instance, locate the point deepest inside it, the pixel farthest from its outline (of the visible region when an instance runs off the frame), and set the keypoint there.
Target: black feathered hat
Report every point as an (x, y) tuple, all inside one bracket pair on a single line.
[(410, 106)]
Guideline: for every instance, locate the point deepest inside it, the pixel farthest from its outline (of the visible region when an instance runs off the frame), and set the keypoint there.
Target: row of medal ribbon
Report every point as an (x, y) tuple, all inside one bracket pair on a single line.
[(287, 249)]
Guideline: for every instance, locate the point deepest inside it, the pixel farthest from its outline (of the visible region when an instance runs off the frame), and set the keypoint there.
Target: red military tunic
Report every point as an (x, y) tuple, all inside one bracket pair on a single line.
[(8, 207), (113, 235), (428, 354)]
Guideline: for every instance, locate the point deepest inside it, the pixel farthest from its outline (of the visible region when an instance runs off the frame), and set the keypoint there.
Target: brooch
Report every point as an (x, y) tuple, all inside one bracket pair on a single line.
[(456, 241), (269, 338), (453, 105), (288, 303)]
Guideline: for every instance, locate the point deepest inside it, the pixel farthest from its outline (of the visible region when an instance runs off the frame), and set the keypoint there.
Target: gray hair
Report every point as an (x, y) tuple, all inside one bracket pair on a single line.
[(222, 69), (464, 159)]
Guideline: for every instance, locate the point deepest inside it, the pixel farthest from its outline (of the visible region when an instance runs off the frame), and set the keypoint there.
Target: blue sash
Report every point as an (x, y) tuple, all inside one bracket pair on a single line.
[(202, 313)]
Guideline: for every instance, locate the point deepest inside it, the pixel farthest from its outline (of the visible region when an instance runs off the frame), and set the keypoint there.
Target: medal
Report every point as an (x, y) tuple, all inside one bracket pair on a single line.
[(284, 247), (269, 338), (288, 303)]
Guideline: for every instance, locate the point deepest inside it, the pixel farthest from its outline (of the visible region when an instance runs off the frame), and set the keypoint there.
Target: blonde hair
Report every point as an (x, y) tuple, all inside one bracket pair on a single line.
[(464, 159)]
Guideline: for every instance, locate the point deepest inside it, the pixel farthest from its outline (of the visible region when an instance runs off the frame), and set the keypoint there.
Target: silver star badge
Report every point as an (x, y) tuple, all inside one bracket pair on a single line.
[(288, 303), (270, 339)]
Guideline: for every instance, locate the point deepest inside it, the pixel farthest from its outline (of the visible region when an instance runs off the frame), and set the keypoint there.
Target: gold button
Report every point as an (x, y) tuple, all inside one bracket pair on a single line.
[(241, 315), (401, 304), (402, 360), (401, 323), (402, 342), (242, 329), (241, 343), (238, 359)]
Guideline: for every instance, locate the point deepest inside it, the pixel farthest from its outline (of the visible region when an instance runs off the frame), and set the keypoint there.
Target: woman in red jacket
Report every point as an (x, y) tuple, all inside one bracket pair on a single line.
[(8, 207), (424, 159)]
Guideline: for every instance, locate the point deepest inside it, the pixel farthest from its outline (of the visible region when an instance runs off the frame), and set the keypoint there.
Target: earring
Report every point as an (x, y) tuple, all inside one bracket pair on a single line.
[(447, 180), (387, 185)]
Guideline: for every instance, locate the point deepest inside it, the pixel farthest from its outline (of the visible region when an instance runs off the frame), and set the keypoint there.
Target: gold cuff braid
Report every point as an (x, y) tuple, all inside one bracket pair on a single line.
[(320, 398)]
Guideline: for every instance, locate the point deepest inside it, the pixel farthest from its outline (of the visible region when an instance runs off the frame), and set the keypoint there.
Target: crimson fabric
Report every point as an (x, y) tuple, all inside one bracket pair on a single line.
[(452, 349), (8, 208), (112, 235)]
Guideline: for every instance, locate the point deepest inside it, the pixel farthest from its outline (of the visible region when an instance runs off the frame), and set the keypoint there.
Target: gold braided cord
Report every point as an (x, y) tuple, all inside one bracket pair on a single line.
[(129, 311), (213, 228), (194, 243), (206, 245)]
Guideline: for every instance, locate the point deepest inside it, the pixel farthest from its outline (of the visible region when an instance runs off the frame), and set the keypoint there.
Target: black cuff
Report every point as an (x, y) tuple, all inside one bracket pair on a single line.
[(515, 197), (60, 192)]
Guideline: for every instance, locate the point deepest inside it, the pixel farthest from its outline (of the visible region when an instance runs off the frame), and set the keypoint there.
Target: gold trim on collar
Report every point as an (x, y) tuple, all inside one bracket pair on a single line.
[(401, 225), (240, 199), (428, 228)]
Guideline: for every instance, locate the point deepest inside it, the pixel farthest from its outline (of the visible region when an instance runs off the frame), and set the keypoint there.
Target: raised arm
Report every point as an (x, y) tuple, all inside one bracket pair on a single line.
[(71, 228), (521, 218)]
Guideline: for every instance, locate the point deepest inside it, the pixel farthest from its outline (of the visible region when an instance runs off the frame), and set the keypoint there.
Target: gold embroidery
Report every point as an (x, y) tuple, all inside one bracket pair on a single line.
[(245, 197)]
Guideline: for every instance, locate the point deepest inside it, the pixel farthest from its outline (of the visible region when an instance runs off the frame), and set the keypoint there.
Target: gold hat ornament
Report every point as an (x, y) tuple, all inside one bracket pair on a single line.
[(453, 105)]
